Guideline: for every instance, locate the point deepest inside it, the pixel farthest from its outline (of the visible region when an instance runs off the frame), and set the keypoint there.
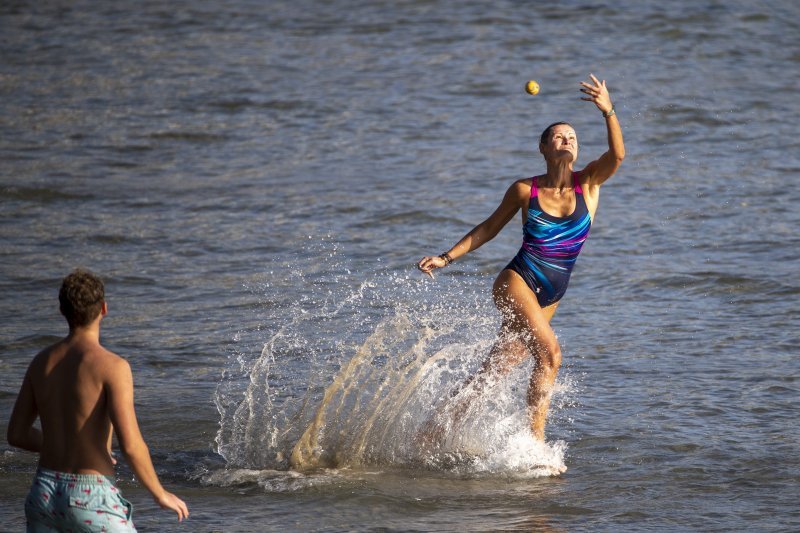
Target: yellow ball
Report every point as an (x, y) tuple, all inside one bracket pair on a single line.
[(532, 87)]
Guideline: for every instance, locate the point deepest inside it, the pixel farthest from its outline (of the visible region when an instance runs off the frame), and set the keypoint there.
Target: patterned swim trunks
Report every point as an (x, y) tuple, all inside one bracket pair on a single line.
[(59, 501)]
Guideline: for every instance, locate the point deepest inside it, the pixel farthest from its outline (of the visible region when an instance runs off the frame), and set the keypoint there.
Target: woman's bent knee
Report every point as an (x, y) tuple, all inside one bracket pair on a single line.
[(548, 355)]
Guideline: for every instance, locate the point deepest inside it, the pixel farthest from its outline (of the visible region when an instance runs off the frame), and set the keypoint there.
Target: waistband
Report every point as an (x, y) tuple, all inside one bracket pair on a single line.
[(85, 479)]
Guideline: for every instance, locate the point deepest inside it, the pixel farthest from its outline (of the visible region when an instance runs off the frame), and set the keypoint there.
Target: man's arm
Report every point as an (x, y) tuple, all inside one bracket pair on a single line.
[(21, 432), (123, 417)]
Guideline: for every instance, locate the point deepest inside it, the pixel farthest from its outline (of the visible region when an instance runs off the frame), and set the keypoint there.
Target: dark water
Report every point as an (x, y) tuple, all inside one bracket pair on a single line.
[(255, 181)]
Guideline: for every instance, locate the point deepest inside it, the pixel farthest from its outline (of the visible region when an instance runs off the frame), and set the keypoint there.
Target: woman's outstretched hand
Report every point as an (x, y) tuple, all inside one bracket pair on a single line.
[(597, 93), (427, 264)]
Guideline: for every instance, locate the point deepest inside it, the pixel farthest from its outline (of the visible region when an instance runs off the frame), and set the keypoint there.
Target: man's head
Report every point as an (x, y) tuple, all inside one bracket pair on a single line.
[(82, 296)]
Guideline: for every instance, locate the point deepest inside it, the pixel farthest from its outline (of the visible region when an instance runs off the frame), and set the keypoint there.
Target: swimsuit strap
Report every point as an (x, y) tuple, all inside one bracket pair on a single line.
[(534, 188), (575, 183)]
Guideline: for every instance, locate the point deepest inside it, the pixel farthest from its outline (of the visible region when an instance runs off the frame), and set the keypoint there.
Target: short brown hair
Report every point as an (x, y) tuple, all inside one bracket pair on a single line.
[(549, 129), (81, 297)]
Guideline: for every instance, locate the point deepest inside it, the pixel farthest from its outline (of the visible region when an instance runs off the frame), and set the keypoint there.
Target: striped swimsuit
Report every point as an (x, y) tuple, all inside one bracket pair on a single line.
[(550, 246)]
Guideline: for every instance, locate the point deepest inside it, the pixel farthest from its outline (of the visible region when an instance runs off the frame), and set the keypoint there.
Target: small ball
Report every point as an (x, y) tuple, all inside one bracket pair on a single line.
[(532, 87)]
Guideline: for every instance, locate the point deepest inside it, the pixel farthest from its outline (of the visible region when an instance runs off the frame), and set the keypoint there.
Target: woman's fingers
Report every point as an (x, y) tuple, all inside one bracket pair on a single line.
[(596, 92), (427, 264), (599, 87)]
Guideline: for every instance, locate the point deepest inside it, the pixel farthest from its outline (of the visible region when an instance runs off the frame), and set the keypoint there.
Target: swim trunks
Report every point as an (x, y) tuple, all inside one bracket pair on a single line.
[(59, 501), (550, 246)]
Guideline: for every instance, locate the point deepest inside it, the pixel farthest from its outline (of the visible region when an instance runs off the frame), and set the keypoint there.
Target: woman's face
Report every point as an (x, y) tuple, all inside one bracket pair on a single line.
[(563, 143)]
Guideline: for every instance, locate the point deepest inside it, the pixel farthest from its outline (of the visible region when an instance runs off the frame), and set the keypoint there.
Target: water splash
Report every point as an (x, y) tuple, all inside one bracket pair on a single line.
[(349, 376)]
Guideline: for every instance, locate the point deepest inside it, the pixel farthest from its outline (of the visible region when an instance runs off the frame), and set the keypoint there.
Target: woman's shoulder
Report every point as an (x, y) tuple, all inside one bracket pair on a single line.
[(523, 184), (519, 192), (583, 178), (522, 187), (589, 189)]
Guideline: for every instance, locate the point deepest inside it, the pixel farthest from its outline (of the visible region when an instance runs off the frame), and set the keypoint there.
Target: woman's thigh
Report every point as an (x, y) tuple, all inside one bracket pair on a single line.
[(521, 312)]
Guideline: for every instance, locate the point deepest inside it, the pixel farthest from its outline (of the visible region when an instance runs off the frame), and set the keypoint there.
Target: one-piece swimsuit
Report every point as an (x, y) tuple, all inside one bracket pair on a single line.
[(550, 246)]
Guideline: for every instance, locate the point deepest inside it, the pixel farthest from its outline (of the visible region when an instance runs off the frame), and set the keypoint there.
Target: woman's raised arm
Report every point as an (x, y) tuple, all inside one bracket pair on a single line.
[(599, 170)]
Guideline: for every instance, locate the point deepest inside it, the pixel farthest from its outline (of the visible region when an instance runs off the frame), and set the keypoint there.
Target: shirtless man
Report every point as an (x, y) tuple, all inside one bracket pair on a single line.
[(82, 392)]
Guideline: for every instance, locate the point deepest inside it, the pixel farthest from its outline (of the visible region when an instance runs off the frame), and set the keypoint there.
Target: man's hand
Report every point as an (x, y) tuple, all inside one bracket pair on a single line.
[(170, 501)]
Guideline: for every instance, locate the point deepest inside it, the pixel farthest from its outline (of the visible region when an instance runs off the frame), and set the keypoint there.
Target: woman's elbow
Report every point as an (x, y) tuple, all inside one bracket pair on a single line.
[(481, 234), (486, 236)]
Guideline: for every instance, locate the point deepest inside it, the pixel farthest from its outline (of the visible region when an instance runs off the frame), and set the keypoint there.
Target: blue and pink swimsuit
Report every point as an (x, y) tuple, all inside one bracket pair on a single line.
[(550, 246)]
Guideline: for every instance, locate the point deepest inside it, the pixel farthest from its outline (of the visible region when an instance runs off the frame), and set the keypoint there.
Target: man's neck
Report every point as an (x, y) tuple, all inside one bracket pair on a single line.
[(90, 332)]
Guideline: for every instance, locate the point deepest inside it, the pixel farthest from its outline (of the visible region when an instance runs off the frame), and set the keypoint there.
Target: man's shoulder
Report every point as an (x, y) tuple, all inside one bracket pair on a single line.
[(99, 359), (76, 363), (105, 358), (104, 367), (42, 359)]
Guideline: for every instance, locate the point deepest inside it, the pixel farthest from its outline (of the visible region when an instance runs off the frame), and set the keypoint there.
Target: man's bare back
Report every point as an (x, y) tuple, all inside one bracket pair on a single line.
[(70, 382), (81, 393)]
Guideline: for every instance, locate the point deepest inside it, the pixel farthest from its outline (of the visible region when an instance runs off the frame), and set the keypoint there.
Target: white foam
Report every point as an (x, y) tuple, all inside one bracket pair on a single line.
[(343, 387), (271, 480)]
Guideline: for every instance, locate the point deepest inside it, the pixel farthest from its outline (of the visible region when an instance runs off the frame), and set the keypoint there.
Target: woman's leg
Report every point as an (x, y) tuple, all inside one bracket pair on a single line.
[(508, 351), (525, 330), (525, 320)]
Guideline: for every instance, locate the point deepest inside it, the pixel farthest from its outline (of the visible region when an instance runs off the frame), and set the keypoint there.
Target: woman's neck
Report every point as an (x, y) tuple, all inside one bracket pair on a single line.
[(559, 175)]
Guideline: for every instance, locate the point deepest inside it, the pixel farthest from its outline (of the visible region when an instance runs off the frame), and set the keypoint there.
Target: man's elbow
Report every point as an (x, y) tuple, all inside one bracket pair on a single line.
[(133, 449), (19, 438), (11, 437)]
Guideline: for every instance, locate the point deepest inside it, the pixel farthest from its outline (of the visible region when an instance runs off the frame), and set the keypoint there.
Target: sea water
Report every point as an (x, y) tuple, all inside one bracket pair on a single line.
[(255, 183), (370, 380)]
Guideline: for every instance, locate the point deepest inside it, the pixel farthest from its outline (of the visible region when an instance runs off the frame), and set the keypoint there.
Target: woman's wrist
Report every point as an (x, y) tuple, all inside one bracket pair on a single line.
[(610, 113), (447, 258)]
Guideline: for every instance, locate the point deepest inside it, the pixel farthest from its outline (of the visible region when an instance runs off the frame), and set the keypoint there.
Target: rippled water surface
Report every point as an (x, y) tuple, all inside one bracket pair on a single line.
[(255, 182)]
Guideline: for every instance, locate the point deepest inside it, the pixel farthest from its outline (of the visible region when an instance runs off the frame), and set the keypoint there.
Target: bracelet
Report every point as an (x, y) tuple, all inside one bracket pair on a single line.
[(610, 113), (447, 258)]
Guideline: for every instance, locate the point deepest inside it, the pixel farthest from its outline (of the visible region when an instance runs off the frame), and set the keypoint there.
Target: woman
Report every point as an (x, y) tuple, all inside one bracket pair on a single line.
[(557, 211)]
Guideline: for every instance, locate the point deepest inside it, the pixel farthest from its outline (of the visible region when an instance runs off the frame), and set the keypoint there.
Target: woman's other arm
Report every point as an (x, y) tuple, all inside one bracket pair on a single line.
[(514, 199)]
